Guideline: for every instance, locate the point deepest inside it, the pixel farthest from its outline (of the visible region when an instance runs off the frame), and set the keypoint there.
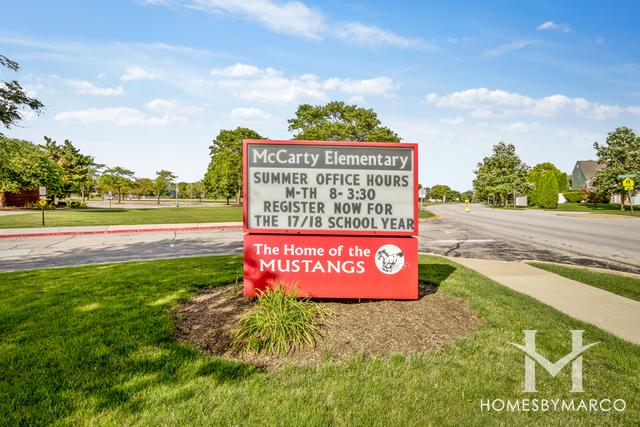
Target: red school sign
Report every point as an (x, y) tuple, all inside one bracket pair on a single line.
[(326, 216)]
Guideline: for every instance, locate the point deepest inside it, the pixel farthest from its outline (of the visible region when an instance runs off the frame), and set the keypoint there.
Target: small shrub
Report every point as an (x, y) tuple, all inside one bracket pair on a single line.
[(279, 322), (573, 196), (74, 204)]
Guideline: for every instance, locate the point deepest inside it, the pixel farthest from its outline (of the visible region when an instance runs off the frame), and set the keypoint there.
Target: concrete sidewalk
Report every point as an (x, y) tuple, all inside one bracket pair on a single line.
[(13, 233), (610, 312)]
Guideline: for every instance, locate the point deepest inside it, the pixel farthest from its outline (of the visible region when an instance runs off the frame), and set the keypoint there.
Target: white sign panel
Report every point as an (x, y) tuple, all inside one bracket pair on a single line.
[(331, 188)]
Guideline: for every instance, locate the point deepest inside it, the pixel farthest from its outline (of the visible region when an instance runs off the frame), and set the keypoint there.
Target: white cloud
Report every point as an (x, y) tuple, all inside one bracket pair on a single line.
[(452, 121), (138, 73), (84, 87), (550, 25), (292, 17), (297, 18), (357, 99), (520, 127), (248, 113), (508, 47), (375, 86), (272, 86), (634, 110), (485, 103), (160, 105), (122, 116), (237, 70), (359, 33)]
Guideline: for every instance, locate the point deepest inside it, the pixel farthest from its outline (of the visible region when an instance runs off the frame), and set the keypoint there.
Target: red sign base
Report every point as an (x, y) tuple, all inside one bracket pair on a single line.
[(333, 266)]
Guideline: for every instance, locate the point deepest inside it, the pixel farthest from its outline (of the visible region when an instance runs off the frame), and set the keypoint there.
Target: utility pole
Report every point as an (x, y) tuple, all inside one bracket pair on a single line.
[(177, 203)]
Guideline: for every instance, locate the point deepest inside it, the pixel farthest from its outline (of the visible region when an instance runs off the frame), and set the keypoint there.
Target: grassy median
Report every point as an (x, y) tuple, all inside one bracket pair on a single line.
[(623, 285), (95, 345), (98, 216)]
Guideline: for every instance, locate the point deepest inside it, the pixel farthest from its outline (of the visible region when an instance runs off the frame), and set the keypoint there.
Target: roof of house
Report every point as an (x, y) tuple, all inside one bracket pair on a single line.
[(588, 168)]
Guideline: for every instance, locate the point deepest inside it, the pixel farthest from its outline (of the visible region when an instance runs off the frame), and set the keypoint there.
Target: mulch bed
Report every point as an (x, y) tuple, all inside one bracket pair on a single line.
[(366, 328)]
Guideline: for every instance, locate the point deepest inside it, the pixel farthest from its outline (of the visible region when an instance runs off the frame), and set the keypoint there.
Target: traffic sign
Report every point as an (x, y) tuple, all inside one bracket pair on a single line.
[(42, 202), (42, 191), (628, 184)]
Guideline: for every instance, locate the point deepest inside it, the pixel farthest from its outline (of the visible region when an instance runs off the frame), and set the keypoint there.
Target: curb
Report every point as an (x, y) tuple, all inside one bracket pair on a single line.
[(123, 231)]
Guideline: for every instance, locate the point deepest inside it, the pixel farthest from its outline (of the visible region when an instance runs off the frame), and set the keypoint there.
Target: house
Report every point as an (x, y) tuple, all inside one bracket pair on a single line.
[(583, 173)]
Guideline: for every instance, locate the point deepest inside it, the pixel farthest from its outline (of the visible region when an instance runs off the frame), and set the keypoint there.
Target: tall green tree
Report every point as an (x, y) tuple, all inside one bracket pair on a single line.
[(142, 187), (501, 175), (78, 169), (619, 155), (13, 98), (533, 178), (116, 179), (223, 178), (197, 190), (443, 193), (24, 166), (337, 121), (547, 192), (164, 179)]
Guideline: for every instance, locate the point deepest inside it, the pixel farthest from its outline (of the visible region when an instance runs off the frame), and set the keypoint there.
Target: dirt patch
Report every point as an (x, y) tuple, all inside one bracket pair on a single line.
[(368, 328)]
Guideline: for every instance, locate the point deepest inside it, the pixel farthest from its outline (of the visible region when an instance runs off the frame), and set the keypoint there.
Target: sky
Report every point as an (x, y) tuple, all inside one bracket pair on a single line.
[(147, 84)]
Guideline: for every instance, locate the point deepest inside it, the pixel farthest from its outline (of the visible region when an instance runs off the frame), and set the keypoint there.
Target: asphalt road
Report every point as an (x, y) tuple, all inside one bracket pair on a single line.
[(609, 241), (600, 241)]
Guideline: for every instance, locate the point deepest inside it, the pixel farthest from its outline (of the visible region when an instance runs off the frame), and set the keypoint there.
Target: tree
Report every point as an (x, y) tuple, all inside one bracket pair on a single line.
[(198, 190), (116, 179), (443, 193), (547, 193), (467, 195), (25, 166), (223, 178), (501, 174), (533, 178), (13, 98), (337, 121), (143, 187), (620, 155), (78, 169), (164, 179)]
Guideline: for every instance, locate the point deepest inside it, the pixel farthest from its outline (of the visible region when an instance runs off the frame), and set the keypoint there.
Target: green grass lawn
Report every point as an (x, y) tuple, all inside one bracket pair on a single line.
[(620, 284), (425, 214), (604, 208), (94, 345), (97, 216)]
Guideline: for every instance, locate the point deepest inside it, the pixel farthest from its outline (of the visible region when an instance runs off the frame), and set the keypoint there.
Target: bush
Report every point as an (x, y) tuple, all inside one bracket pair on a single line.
[(74, 204), (279, 322), (591, 196), (575, 196)]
